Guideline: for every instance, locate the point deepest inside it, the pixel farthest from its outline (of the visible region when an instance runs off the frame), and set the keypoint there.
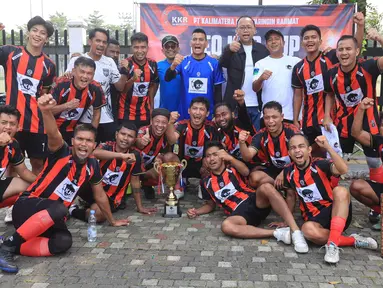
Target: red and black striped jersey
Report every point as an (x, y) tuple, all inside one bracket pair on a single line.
[(62, 176), (350, 88), (275, 148), (135, 104), (10, 154), (377, 143), (312, 184), (227, 190), (192, 141), (65, 91), (25, 77), (117, 173), (156, 146), (310, 76)]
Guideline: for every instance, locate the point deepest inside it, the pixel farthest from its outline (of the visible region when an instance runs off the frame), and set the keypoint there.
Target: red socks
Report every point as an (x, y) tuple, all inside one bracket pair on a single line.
[(376, 174), (35, 247), (336, 230), (346, 241), (35, 225), (9, 201)]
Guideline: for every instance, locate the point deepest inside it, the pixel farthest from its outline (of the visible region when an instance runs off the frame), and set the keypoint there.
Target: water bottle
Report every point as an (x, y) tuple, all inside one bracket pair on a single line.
[(92, 228)]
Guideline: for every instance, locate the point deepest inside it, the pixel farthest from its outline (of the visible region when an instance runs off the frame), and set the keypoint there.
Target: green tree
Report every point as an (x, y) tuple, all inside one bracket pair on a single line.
[(126, 23), (94, 20), (59, 21)]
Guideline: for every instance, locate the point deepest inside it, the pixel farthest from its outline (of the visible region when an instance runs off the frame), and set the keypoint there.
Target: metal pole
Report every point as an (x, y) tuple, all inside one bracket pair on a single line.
[(30, 8), (260, 2)]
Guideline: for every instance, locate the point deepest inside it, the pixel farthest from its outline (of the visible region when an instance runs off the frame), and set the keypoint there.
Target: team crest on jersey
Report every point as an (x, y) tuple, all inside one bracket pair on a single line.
[(106, 72), (73, 114), (140, 89), (112, 178), (29, 72), (314, 84), (352, 98), (198, 85), (67, 190), (225, 192), (309, 193), (27, 85)]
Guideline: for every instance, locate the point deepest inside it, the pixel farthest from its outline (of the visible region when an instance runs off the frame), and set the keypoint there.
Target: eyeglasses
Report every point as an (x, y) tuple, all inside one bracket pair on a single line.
[(243, 28), (170, 46)]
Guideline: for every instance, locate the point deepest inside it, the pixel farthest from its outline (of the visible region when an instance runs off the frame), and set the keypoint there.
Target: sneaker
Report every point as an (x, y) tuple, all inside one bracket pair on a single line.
[(283, 234), (71, 208), (199, 192), (149, 192), (7, 263), (332, 253), (364, 242), (377, 226), (179, 193), (299, 241), (373, 217), (8, 215)]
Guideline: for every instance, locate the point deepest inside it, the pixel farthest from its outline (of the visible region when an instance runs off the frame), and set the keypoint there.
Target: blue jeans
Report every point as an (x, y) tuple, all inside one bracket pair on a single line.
[(255, 116)]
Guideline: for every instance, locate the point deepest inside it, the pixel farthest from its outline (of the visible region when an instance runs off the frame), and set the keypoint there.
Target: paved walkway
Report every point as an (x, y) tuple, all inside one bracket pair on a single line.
[(158, 252)]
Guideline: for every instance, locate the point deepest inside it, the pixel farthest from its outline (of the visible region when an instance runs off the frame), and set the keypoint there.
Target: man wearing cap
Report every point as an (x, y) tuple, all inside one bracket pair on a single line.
[(273, 75), (169, 91), (239, 58), (152, 142), (29, 73)]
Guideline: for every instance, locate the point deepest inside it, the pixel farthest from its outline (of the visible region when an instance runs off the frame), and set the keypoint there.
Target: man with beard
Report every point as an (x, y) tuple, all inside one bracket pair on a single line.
[(239, 58), (29, 73), (229, 127), (246, 209), (152, 142), (137, 100), (272, 142), (273, 74), (113, 51), (39, 213), (169, 91), (106, 74), (11, 156), (192, 135), (120, 165), (201, 74), (350, 82), (308, 80), (74, 96), (325, 210)]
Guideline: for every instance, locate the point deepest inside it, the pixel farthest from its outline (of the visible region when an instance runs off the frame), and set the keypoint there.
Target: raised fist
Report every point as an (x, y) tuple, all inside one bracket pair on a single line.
[(174, 115), (46, 102), (266, 75), (177, 60), (243, 135)]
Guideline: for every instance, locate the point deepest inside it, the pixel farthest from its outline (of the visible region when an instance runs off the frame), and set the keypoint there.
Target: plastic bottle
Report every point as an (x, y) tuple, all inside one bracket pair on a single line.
[(92, 228)]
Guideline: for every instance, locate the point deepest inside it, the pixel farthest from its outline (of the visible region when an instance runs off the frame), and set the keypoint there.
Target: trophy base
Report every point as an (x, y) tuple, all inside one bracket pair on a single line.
[(172, 211)]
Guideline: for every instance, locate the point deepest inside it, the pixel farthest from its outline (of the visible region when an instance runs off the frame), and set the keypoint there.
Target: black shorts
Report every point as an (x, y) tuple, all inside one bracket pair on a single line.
[(272, 171), (192, 170), (348, 144), (311, 133), (252, 214), (376, 187), (25, 207), (34, 144), (106, 132), (86, 194), (324, 217), (4, 183)]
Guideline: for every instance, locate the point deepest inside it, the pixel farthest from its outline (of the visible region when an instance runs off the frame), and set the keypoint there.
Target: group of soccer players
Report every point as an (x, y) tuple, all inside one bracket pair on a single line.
[(58, 123)]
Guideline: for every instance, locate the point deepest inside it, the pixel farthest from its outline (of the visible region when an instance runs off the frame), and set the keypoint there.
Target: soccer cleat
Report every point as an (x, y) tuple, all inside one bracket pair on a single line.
[(373, 217), (71, 208), (7, 263), (283, 234), (149, 192), (299, 241), (332, 253), (8, 215), (364, 242)]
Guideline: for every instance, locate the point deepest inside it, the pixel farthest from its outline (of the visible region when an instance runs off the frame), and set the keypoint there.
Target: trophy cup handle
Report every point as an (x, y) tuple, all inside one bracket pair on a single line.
[(184, 163), (157, 167)]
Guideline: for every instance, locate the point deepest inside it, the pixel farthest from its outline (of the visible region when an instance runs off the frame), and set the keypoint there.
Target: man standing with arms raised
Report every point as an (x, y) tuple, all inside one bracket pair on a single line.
[(239, 58)]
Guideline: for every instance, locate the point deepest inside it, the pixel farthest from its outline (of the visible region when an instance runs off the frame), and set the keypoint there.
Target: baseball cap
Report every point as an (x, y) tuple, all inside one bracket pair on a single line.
[(169, 38), (37, 20), (273, 31)]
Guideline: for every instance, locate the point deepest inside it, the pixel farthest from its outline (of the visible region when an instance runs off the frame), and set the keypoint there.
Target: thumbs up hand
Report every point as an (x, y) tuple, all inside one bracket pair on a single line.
[(235, 45)]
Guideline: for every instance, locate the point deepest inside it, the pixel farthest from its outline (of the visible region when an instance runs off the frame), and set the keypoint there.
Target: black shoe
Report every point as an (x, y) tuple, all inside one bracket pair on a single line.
[(122, 205), (374, 217), (7, 263), (149, 192)]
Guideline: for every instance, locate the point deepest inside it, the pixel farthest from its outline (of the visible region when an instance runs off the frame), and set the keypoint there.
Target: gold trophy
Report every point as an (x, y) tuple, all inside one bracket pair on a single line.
[(170, 173)]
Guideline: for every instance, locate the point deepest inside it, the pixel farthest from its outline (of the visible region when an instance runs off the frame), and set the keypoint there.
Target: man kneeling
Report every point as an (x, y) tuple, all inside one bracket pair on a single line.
[(225, 187)]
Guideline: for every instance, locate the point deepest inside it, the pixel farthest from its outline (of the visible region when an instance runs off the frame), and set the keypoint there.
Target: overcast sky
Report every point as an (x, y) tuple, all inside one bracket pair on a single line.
[(12, 15)]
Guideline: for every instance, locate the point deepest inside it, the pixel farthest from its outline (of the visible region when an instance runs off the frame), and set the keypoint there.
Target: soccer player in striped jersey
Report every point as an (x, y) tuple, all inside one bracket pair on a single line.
[(246, 209)]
